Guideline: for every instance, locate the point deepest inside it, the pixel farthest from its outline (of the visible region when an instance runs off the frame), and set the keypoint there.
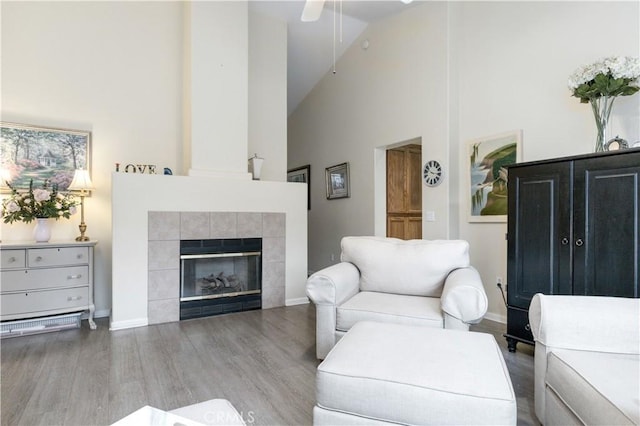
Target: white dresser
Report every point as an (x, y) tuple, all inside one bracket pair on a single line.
[(42, 279)]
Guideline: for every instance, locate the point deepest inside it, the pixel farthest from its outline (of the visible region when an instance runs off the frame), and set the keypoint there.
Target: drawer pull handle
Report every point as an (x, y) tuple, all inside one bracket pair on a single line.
[(527, 327), (12, 259), (39, 259), (79, 256), (74, 277), (73, 298)]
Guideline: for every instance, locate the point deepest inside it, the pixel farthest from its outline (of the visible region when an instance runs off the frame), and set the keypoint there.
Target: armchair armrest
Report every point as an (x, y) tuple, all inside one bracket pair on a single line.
[(463, 296), (590, 323), (334, 284), (329, 288)]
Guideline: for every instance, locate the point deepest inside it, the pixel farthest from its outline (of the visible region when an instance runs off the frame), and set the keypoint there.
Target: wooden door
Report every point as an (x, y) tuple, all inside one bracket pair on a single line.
[(404, 192)]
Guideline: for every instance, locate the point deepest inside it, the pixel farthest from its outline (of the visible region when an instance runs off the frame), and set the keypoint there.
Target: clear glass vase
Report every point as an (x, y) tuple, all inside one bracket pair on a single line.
[(601, 111)]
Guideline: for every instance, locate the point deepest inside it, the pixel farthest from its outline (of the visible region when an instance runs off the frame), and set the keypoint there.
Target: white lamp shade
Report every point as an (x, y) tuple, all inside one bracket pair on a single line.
[(81, 181)]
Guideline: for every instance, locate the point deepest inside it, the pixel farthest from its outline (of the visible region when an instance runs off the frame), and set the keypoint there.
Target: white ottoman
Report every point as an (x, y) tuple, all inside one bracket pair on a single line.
[(381, 373)]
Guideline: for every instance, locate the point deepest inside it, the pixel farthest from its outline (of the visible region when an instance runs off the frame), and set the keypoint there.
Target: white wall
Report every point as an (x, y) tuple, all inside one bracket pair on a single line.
[(113, 68), (514, 60), (393, 91), (116, 69), (451, 72)]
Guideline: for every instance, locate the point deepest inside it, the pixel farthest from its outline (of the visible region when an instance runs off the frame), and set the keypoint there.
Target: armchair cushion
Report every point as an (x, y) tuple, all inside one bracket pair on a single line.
[(601, 388), (385, 307), (419, 266)]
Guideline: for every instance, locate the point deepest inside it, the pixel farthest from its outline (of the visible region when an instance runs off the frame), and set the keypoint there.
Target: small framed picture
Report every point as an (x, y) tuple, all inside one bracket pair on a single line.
[(337, 178), (302, 175)]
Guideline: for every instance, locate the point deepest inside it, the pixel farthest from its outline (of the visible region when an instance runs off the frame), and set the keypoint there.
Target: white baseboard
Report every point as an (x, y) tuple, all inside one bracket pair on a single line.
[(121, 325), (496, 317), (297, 301), (102, 313)]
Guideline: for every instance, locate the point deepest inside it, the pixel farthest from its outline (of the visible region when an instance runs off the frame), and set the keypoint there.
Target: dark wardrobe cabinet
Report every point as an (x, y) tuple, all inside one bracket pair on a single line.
[(573, 228)]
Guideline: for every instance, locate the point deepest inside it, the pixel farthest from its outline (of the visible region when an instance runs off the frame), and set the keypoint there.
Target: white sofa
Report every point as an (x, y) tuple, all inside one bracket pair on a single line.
[(587, 359), (415, 282)]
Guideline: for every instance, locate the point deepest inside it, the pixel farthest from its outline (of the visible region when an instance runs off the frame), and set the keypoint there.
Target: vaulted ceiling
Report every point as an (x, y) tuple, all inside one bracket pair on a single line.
[(310, 44)]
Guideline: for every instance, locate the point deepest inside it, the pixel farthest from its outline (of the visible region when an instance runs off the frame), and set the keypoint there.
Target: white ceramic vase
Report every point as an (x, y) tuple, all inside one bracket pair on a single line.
[(42, 231)]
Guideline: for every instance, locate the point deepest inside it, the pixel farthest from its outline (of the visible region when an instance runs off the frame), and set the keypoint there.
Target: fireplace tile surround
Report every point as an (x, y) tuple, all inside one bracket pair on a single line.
[(166, 229)]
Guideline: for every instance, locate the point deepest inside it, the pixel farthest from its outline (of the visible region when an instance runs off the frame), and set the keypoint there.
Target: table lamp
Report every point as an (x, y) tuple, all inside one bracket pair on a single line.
[(81, 183)]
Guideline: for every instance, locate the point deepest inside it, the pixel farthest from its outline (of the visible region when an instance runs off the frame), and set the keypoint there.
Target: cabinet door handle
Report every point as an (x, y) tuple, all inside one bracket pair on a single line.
[(564, 241), (527, 327), (74, 277), (73, 298), (579, 242)]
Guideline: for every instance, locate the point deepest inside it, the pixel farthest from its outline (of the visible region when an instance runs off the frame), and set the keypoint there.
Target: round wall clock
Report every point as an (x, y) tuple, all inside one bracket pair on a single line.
[(432, 173)]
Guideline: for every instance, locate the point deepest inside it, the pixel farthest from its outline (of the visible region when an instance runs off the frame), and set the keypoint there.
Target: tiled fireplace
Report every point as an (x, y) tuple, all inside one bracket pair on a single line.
[(167, 229)]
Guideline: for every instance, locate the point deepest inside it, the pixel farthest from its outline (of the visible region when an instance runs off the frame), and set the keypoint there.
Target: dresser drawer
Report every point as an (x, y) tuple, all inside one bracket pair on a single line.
[(38, 258), (38, 279), (30, 303), (13, 259)]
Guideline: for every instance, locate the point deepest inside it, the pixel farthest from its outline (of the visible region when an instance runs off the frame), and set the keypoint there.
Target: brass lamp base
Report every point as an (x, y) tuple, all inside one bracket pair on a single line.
[(83, 229)]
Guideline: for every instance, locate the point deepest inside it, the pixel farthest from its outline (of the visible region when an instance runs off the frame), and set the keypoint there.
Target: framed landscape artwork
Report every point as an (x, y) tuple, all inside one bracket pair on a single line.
[(302, 175), (337, 180), (42, 154), (487, 175)]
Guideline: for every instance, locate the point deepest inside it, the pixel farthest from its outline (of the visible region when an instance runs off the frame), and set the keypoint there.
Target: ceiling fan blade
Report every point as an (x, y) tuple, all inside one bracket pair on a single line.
[(312, 10)]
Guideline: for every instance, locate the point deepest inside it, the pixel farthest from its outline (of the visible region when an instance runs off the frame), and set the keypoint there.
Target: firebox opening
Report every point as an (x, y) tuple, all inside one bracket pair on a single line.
[(220, 276)]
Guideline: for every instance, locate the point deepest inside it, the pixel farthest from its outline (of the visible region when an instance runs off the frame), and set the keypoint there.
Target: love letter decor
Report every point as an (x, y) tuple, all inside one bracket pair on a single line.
[(137, 168)]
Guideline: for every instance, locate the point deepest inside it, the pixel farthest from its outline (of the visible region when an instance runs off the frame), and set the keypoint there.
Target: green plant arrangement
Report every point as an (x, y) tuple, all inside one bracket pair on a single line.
[(600, 83), (37, 203)]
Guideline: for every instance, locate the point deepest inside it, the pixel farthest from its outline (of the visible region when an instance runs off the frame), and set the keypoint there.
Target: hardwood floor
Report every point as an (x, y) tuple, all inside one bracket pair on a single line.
[(262, 361)]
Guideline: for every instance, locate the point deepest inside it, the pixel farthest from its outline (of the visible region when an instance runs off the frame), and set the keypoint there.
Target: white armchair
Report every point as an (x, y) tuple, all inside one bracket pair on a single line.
[(418, 282), (587, 359)]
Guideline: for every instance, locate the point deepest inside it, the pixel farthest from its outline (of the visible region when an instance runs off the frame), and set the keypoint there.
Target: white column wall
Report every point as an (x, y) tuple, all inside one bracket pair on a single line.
[(268, 94), (219, 88)]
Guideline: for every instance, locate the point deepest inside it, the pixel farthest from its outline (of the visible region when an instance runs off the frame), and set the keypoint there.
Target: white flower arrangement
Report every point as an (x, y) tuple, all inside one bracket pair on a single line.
[(610, 77), (45, 202)]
